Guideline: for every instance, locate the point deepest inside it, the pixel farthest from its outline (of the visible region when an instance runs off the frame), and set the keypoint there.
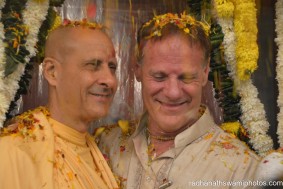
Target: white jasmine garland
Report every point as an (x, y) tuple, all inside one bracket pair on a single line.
[(253, 114), (253, 117), (33, 16), (279, 66)]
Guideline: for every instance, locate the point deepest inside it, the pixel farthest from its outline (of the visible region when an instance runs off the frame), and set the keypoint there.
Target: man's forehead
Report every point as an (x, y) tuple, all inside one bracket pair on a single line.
[(74, 36), (78, 32)]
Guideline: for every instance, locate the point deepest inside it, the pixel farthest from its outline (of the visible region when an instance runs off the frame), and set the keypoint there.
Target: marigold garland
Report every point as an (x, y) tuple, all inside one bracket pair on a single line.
[(184, 22), (224, 8), (279, 66), (253, 114), (69, 23), (245, 27)]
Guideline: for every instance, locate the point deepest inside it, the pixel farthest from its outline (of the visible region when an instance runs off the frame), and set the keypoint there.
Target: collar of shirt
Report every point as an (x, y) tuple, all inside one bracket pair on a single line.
[(199, 129)]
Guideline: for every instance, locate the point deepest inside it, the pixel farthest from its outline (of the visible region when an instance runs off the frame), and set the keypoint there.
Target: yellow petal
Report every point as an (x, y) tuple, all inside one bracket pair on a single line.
[(98, 131), (124, 125)]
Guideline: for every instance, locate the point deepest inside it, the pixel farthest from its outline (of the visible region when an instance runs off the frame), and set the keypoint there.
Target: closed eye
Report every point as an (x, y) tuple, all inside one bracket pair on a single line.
[(112, 66), (159, 77), (188, 78), (94, 64)]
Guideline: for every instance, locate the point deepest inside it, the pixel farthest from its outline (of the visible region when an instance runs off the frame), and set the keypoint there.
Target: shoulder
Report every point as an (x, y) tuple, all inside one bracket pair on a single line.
[(113, 139), (232, 153), (230, 143), (121, 129), (225, 152), (26, 126)]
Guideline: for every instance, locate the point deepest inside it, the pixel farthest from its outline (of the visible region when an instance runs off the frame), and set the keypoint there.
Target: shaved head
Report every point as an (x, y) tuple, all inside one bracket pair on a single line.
[(79, 65), (62, 41)]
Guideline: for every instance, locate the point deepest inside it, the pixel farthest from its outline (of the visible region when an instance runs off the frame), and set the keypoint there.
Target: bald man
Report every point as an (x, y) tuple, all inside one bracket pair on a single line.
[(50, 147)]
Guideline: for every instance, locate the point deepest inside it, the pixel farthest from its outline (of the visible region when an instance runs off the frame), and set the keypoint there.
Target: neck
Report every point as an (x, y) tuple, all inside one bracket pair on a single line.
[(159, 143), (158, 133), (160, 140), (160, 147), (67, 119)]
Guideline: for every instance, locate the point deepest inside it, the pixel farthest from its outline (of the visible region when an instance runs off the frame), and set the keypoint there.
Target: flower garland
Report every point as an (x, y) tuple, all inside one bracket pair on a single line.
[(69, 23), (14, 34), (235, 43), (245, 28), (184, 22), (33, 16), (279, 66)]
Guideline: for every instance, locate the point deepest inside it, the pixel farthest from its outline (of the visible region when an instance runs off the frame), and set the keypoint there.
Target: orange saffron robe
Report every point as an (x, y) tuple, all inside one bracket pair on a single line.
[(39, 156)]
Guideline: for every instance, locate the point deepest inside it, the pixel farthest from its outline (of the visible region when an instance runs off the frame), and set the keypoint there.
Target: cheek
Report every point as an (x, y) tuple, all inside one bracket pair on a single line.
[(151, 88), (115, 85), (193, 90)]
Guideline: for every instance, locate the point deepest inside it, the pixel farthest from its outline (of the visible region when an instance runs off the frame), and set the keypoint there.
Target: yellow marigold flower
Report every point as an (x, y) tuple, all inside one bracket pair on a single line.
[(187, 30), (231, 127), (124, 125), (246, 33), (224, 8), (98, 131), (57, 23), (182, 22)]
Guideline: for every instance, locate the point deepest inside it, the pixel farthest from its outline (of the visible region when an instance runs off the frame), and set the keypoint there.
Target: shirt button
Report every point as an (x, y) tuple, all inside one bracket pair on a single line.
[(148, 179)]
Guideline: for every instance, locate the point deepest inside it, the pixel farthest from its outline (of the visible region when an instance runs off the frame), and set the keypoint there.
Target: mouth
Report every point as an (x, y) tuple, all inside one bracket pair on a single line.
[(102, 95), (172, 104), (101, 92)]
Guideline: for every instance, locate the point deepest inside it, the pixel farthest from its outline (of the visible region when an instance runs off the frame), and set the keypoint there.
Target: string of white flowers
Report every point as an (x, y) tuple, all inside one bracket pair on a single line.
[(254, 117), (279, 66), (33, 16), (253, 114), (4, 105)]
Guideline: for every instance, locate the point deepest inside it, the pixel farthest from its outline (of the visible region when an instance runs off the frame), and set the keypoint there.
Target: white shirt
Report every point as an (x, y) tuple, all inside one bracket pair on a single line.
[(204, 156)]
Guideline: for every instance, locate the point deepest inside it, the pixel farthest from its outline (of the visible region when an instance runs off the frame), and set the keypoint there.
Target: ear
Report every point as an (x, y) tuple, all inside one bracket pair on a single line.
[(50, 66), (206, 72), (138, 71)]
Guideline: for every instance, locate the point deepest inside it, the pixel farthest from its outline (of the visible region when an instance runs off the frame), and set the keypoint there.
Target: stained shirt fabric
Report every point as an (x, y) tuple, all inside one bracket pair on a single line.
[(50, 155), (203, 156)]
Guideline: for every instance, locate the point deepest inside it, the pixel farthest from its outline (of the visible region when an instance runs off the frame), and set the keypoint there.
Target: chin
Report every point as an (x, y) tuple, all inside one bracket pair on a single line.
[(171, 123), (97, 114)]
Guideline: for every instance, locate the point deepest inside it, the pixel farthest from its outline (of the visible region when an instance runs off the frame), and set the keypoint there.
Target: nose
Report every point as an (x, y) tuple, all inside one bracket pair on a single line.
[(107, 77), (172, 89)]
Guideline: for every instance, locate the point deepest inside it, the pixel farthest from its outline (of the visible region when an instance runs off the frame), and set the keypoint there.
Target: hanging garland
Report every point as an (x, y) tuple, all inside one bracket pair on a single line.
[(21, 22), (242, 64), (37, 59), (15, 33), (279, 67), (224, 87), (223, 84)]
